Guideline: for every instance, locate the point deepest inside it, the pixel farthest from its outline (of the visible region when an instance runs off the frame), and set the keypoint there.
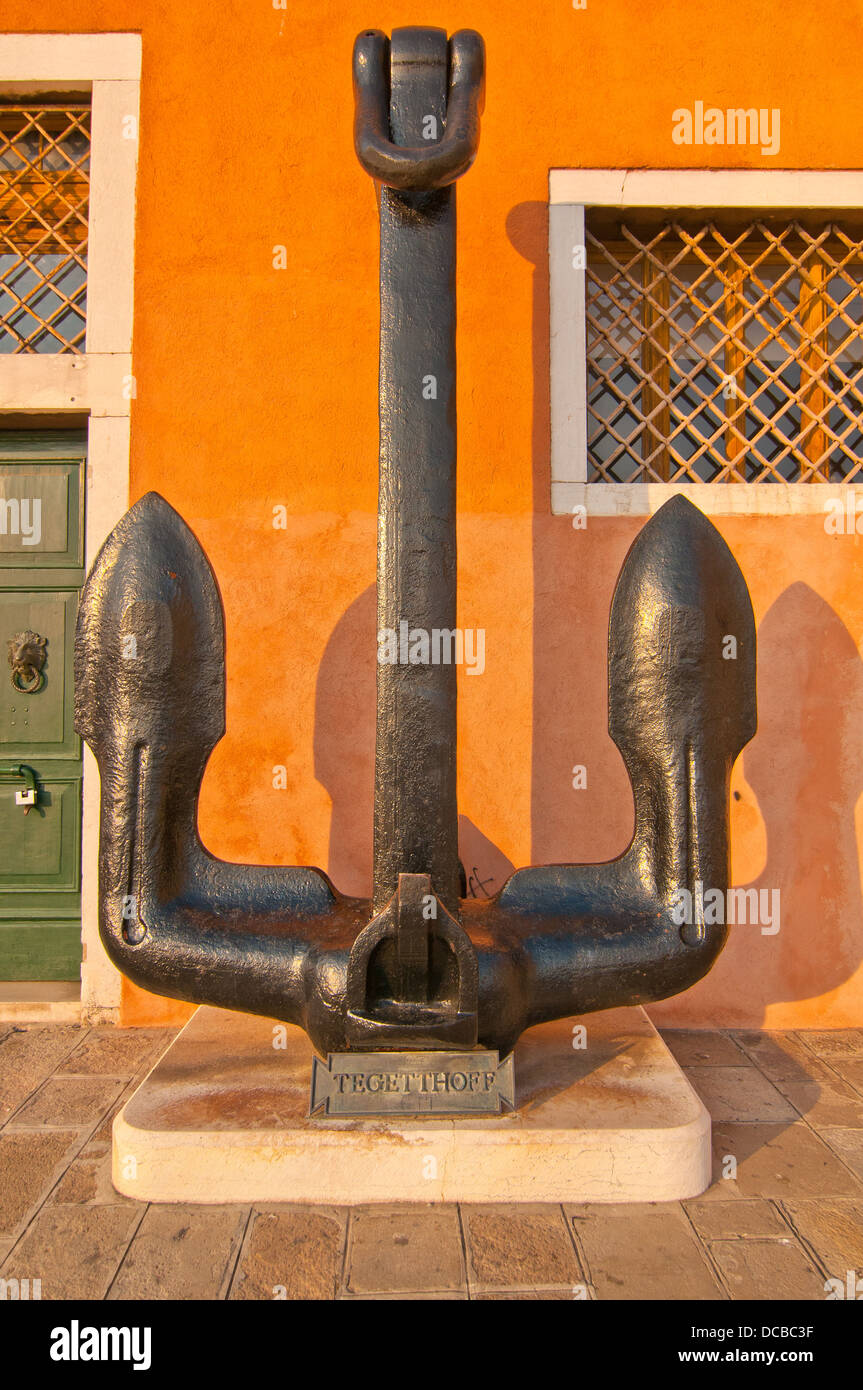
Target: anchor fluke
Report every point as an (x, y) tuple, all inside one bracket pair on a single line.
[(150, 643)]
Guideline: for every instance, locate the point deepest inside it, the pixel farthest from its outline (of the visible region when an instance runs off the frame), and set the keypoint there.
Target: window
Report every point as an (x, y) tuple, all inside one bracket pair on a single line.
[(706, 337), (44, 192), (723, 348)]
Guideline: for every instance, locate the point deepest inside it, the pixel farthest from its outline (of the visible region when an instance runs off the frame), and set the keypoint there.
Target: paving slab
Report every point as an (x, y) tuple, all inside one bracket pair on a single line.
[(28, 1056), (848, 1144), (734, 1220), (778, 1161), (185, 1253), (30, 1164), (781, 1056), (100, 1140), (825, 1104), (87, 1181), (707, 1048), (849, 1070), (112, 1051), (834, 1230), (767, 1270), (843, 1044), (740, 1093), (291, 1253), (642, 1252), (74, 1250), (519, 1247), (68, 1101), (405, 1250)]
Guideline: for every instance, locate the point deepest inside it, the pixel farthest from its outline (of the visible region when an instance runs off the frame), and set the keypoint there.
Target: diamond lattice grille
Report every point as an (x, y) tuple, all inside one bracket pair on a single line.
[(44, 191), (721, 352)]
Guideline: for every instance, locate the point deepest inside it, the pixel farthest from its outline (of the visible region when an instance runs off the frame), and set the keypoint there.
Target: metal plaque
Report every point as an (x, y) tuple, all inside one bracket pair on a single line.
[(411, 1083)]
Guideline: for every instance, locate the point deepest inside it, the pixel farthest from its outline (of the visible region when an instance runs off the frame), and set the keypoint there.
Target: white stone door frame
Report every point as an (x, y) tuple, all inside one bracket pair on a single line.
[(571, 193), (99, 381)]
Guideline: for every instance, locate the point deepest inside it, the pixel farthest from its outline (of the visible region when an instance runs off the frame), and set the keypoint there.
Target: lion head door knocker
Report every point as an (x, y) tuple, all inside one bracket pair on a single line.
[(27, 659)]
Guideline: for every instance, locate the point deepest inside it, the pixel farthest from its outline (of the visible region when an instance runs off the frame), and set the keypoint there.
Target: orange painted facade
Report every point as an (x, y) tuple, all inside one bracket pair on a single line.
[(257, 387)]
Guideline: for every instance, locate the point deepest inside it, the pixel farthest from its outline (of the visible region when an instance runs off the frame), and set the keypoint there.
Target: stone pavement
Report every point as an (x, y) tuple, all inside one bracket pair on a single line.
[(784, 1214)]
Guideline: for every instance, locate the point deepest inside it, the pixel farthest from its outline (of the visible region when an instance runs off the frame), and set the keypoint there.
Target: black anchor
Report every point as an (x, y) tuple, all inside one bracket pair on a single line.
[(416, 967)]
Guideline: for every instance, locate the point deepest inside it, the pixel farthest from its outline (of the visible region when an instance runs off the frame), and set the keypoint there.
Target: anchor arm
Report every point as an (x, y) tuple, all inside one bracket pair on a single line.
[(681, 708), (150, 694)]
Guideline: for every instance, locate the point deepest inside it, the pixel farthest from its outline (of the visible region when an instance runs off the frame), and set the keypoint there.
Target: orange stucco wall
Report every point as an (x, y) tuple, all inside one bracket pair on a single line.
[(258, 387)]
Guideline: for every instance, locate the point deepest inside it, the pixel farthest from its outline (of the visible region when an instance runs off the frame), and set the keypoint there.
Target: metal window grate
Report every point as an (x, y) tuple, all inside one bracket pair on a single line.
[(724, 351), (44, 192)]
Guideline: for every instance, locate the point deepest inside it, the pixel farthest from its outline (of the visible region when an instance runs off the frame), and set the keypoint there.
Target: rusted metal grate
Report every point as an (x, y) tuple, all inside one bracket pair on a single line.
[(724, 351), (44, 192)]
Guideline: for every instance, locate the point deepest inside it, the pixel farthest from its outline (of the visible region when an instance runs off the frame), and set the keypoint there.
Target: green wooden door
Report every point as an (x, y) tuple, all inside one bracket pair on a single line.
[(41, 573)]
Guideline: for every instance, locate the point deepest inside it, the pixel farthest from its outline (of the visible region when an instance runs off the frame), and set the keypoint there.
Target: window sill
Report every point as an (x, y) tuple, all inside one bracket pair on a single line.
[(714, 499)]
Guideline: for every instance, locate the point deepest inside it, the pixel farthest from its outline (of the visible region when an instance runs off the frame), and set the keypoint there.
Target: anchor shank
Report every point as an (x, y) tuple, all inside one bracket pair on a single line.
[(415, 762)]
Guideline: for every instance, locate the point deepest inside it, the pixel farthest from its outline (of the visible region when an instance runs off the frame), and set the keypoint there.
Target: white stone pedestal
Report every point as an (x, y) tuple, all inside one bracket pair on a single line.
[(222, 1117)]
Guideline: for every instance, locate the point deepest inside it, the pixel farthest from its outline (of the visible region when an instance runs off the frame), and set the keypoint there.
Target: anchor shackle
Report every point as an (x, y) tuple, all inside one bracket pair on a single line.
[(411, 167)]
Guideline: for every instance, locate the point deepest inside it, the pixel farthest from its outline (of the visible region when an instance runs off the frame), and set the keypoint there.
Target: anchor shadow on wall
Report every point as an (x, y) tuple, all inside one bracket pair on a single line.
[(802, 774), (344, 751)]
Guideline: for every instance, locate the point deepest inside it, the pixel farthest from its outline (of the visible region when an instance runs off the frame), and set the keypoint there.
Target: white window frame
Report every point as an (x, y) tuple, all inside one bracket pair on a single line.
[(571, 193), (99, 381)]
